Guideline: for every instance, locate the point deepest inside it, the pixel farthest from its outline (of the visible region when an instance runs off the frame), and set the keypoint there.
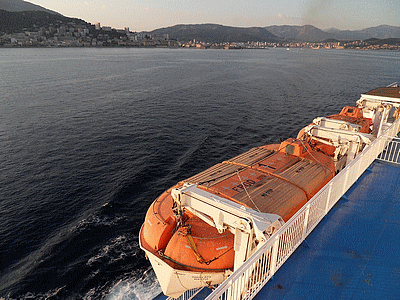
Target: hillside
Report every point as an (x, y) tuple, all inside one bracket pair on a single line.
[(19, 16), (306, 33), (214, 33), (379, 32), (309, 33), (389, 41), (14, 22), (20, 5)]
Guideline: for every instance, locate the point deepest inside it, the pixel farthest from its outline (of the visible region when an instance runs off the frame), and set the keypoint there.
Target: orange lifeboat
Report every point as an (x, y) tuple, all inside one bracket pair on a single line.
[(159, 224), (353, 115), (193, 245), (196, 246), (329, 135), (200, 230), (271, 179)]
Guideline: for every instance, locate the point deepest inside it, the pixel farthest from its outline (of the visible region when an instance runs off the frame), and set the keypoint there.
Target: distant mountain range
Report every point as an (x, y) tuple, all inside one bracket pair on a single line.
[(215, 33), (20, 5), (313, 34)]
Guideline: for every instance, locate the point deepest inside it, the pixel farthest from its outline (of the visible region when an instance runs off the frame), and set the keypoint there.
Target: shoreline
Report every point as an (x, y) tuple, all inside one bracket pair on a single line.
[(10, 46)]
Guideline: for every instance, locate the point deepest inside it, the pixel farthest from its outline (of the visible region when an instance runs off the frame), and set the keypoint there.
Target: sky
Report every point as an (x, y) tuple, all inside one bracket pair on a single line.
[(146, 15)]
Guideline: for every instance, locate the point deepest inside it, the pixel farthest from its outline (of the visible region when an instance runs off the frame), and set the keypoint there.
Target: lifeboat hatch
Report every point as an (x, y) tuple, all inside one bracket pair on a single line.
[(294, 147)]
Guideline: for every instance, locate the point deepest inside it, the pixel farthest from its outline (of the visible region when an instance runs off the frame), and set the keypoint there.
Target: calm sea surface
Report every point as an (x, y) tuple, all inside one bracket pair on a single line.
[(89, 137)]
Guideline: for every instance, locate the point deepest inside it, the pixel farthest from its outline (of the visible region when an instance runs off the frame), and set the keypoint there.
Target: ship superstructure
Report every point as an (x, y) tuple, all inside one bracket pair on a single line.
[(205, 227)]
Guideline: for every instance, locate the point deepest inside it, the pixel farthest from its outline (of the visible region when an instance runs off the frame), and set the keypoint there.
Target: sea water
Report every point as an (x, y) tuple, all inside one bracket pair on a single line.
[(89, 137)]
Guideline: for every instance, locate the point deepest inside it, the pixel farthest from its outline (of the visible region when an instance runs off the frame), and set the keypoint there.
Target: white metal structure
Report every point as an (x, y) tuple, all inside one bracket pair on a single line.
[(248, 226), (258, 269), (391, 153), (344, 136), (361, 150), (378, 108)]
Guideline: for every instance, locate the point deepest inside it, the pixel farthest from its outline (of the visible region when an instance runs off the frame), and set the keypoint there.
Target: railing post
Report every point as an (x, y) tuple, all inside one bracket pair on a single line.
[(360, 165), (398, 126), (307, 213), (274, 255), (346, 179), (328, 199), (385, 145), (382, 144)]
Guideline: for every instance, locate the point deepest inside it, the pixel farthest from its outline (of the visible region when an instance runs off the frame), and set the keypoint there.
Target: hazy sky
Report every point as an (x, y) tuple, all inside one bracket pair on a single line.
[(141, 15)]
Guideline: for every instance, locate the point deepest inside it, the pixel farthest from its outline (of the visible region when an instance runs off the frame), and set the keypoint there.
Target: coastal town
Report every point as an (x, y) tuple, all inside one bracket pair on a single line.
[(360, 45), (73, 34)]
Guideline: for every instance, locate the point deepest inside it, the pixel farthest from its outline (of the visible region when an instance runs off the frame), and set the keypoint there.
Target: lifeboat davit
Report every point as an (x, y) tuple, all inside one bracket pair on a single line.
[(192, 245), (354, 115), (188, 251)]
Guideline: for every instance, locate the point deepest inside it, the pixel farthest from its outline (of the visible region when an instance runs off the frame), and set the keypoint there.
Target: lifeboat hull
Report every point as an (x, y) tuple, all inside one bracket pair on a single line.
[(186, 252), (175, 282)]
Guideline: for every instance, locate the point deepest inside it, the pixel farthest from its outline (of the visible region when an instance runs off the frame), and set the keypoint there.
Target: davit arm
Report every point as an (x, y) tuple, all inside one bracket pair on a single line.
[(249, 226)]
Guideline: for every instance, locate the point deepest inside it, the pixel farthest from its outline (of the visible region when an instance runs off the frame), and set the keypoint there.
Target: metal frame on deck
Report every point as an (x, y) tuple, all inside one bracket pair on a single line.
[(391, 153), (249, 279)]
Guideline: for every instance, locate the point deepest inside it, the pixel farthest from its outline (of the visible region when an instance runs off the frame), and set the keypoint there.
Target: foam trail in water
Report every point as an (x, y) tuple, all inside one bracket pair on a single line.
[(144, 288)]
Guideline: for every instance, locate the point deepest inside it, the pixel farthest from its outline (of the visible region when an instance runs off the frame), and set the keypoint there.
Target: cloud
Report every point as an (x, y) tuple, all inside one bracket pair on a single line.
[(350, 14), (283, 19), (316, 12)]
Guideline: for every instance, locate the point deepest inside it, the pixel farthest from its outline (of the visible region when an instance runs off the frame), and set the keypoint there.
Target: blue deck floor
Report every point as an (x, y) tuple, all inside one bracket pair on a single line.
[(354, 253)]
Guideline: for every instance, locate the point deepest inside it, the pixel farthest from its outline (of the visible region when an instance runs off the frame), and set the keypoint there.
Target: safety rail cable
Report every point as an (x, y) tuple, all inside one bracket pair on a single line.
[(250, 278)]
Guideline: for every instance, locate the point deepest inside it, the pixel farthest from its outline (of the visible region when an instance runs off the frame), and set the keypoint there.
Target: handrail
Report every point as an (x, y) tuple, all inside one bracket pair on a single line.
[(391, 153), (249, 279), (188, 295)]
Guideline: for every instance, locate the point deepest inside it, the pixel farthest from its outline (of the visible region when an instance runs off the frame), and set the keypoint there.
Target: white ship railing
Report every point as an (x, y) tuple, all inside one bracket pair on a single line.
[(391, 153), (249, 279), (188, 295)]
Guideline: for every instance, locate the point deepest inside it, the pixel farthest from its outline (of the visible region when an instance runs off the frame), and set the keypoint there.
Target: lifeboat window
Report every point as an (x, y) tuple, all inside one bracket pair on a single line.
[(350, 110), (289, 149), (304, 149)]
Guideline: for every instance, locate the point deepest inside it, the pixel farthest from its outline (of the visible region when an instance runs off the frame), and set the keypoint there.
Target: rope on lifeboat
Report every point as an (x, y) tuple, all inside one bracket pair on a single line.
[(191, 267), (330, 171), (199, 258), (155, 214), (241, 181), (196, 252), (161, 253), (292, 183), (187, 232), (288, 181)]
